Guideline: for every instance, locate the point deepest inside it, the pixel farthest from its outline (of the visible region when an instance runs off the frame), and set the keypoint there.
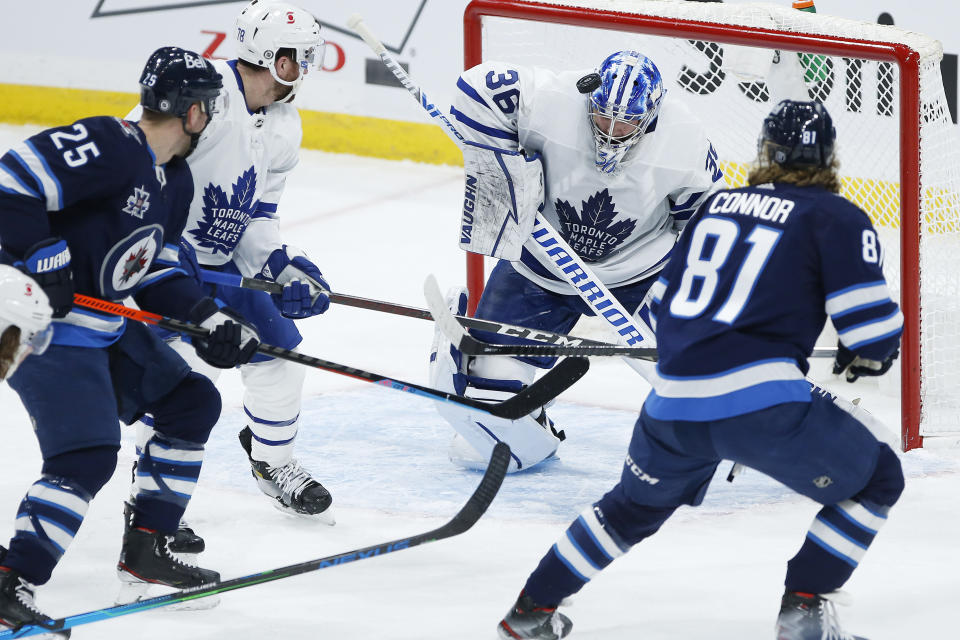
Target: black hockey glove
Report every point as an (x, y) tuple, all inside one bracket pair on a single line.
[(854, 366), (48, 262), (232, 339)]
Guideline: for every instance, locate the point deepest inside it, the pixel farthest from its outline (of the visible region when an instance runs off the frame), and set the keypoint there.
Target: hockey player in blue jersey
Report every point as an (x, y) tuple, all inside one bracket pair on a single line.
[(96, 208), (737, 312)]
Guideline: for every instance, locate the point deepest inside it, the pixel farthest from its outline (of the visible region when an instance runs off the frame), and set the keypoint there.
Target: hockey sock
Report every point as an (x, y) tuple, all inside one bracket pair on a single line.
[(585, 548), (841, 533), (271, 400), (167, 473), (47, 521)]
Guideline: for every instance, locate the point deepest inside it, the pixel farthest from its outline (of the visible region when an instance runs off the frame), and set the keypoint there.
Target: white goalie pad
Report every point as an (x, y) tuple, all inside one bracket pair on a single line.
[(502, 195), (530, 442)]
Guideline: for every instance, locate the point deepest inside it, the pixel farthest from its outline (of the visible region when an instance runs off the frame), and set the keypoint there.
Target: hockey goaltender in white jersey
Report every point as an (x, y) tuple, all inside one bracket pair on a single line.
[(625, 165)]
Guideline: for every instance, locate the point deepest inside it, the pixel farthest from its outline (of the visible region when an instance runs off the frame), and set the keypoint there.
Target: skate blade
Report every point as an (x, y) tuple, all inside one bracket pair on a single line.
[(324, 517), (136, 590)]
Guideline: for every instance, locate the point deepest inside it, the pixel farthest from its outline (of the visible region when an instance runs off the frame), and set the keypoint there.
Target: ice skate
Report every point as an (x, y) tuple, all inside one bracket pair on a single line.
[(185, 542), (146, 559), (528, 621), (291, 486), (809, 616), (17, 606)]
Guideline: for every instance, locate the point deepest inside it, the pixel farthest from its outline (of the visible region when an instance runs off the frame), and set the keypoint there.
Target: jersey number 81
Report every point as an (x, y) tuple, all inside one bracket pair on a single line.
[(689, 304)]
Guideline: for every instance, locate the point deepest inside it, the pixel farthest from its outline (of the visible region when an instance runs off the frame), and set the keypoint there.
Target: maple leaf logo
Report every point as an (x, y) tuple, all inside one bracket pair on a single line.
[(225, 219), (594, 231)]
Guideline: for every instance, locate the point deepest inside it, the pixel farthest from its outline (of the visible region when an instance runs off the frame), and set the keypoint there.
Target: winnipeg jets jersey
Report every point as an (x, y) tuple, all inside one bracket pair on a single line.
[(742, 301), (95, 184), (239, 167), (624, 224)]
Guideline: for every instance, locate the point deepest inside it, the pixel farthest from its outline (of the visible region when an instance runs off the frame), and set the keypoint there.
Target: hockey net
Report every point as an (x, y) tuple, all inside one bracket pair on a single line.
[(897, 145)]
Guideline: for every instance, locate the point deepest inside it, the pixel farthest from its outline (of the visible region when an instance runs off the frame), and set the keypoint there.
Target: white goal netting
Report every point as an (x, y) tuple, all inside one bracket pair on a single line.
[(898, 147)]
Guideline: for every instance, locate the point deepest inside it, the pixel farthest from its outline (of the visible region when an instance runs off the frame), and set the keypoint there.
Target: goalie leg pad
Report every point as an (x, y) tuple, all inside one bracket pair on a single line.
[(531, 441)]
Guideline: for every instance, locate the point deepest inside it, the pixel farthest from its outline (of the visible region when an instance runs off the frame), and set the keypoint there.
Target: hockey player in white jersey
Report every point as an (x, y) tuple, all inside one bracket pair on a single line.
[(624, 165), (240, 166)]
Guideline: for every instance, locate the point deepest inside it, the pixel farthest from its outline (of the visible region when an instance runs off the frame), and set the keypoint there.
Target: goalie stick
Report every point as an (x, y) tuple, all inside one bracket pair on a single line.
[(555, 344), (519, 405), (469, 345), (468, 515)]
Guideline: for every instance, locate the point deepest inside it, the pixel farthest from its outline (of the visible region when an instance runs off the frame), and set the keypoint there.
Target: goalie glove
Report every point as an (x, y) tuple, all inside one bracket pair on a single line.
[(854, 366), (304, 289), (232, 339)]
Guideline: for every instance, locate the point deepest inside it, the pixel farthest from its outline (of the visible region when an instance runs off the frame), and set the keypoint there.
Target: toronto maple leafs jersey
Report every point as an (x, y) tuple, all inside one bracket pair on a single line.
[(624, 224), (742, 301), (96, 185), (239, 167)]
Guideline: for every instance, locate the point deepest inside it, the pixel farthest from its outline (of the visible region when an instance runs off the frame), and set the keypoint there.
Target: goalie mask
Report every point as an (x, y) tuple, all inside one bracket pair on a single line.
[(24, 319), (625, 96), (265, 28), (797, 134)]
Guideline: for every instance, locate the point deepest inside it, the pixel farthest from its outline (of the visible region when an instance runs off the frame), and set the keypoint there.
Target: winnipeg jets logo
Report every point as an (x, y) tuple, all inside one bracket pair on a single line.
[(225, 219), (592, 232), (128, 261), (138, 202), (134, 264)]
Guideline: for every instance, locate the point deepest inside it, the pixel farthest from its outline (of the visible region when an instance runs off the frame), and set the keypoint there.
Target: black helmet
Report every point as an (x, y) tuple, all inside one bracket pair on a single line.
[(798, 134), (174, 78)]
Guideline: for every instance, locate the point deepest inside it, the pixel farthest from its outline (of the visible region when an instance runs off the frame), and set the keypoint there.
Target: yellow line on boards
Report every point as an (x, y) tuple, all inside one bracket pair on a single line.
[(335, 132)]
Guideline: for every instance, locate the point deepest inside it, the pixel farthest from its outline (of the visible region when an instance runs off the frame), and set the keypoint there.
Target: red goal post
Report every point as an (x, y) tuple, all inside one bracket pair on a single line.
[(841, 61)]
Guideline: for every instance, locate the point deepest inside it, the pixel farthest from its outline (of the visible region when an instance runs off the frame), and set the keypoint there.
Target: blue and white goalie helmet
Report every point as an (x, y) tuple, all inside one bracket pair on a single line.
[(623, 105), (265, 27)]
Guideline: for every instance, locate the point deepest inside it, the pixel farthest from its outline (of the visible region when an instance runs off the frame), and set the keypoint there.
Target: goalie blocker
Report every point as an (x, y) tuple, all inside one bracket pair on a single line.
[(503, 193), (532, 439)]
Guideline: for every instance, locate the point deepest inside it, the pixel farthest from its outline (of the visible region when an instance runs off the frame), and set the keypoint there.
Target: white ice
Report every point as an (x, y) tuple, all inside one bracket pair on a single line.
[(377, 228)]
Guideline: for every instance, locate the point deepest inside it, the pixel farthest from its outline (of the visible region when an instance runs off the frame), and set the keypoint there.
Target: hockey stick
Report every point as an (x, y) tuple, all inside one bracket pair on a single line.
[(469, 345), (468, 515), (527, 400), (555, 344)]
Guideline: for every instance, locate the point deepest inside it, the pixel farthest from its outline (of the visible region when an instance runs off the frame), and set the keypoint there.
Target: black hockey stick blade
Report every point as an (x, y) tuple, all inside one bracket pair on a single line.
[(526, 401), (457, 334), (550, 385), (468, 516)]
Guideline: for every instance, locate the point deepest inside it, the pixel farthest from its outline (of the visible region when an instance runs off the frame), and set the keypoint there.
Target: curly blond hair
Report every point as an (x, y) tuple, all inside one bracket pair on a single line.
[(765, 170)]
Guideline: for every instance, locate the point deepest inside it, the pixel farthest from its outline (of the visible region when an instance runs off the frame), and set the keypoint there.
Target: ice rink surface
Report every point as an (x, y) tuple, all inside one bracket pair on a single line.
[(376, 229)]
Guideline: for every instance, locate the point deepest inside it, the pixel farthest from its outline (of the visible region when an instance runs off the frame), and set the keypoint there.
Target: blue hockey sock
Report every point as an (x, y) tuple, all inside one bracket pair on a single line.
[(167, 473), (835, 544), (585, 548), (47, 521)]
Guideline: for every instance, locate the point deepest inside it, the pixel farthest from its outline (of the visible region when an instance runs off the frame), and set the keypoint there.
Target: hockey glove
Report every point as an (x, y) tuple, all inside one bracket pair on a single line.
[(854, 366), (48, 262), (232, 339), (304, 289)]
